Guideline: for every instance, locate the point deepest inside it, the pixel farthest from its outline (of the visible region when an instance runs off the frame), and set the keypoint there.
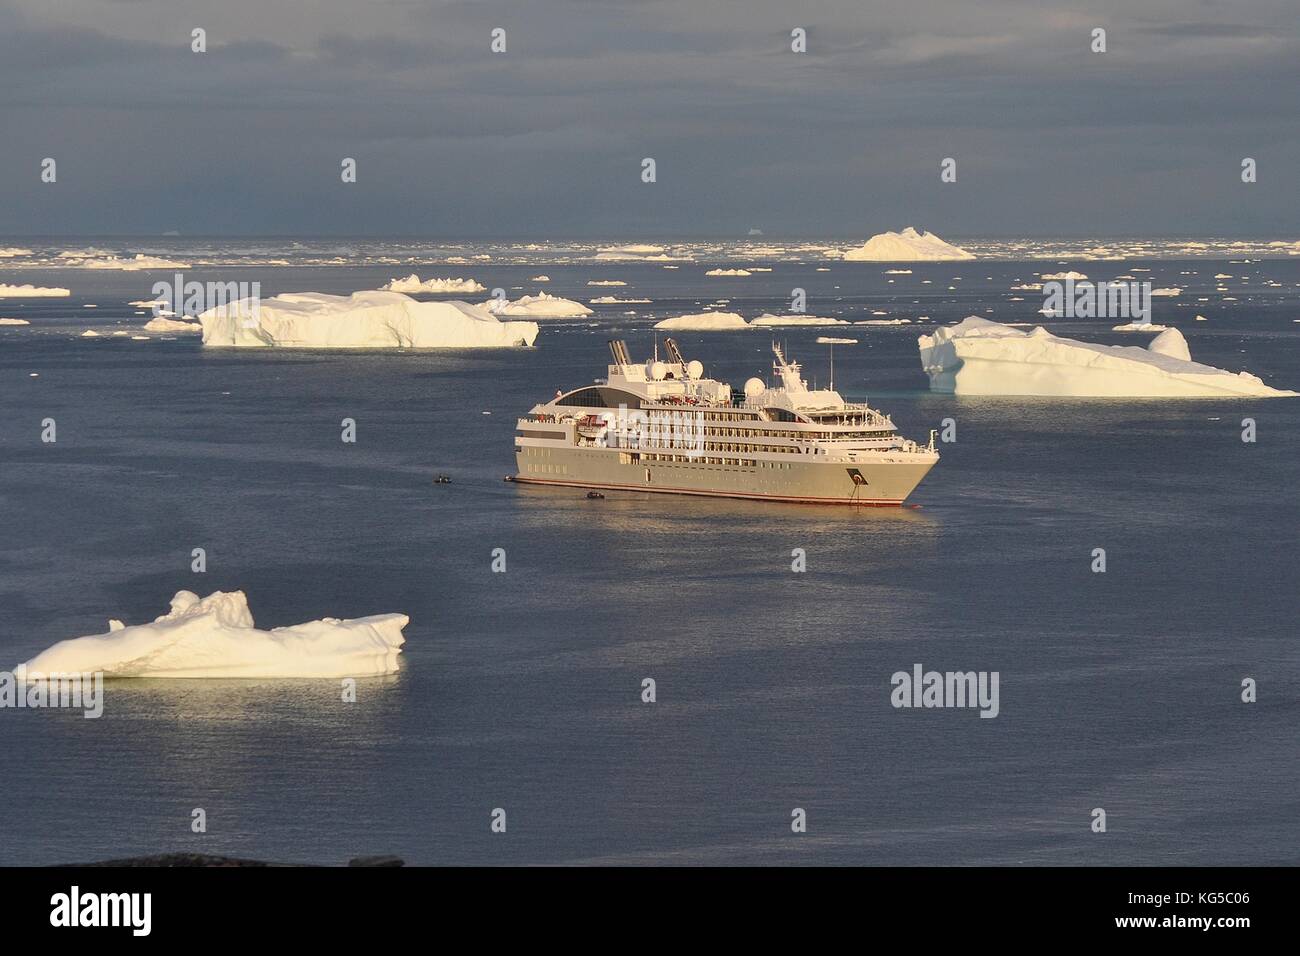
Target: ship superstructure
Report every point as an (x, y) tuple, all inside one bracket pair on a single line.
[(662, 426)]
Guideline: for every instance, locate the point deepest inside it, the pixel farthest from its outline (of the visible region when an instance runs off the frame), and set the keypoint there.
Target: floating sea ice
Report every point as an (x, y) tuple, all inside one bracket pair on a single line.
[(768, 319), (704, 322), (215, 637), (906, 246), (14, 322), (1138, 327), (542, 305), (728, 272), (980, 357), (161, 324), (412, 283), (1061, 276), (828, 340), (32, 292), (361, 320)]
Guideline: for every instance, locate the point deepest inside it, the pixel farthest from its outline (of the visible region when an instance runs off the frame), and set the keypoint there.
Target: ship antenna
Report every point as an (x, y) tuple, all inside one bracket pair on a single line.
[(832, 366)]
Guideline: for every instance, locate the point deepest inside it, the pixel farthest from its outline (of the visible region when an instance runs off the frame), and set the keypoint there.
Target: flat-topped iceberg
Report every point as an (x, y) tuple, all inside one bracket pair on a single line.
[(215, 637), (906, 246), (979, 357), (768, 319), (543, 305), (163, 324), (361, 320), (704, 322), (413, 283), (32, 292)]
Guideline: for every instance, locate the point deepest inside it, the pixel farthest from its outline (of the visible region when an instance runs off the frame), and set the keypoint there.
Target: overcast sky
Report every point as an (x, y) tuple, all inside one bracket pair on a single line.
[(547, 139)]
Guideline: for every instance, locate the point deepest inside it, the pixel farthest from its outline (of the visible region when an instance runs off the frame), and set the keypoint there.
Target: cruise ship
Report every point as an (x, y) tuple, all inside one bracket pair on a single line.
[(661, 426)]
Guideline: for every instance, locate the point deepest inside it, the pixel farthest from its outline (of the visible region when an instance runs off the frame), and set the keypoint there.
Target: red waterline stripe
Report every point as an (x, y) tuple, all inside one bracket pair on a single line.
[(868, 502)]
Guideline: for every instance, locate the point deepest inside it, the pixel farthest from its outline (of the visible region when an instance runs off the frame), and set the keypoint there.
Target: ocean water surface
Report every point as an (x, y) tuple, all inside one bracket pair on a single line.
[(522, 690)]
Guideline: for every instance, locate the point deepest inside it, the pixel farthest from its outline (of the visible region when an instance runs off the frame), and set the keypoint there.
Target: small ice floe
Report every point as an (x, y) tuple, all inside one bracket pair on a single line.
[(829, 340), (1169, 291), (606, 282), (1061, 276), (728, 272), (215, 637), (413, 283), (163, 324), (704, 322), (14, 322), (768, 319), (542, 306), (90, 334), (32, 292), (1138, 327), (540, 279)]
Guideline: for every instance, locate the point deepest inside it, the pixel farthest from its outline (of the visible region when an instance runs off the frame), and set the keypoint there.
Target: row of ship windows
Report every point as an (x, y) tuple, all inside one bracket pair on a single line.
[(627, 459), (541, 469)]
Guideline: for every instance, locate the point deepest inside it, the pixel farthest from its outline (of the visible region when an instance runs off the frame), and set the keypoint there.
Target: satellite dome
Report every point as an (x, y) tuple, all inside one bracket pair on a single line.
[(694, 368), (656, 370), (754, 388)]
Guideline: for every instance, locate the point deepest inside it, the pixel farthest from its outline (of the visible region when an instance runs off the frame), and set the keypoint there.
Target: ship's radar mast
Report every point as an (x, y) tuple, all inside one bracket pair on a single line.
[(788, 371)]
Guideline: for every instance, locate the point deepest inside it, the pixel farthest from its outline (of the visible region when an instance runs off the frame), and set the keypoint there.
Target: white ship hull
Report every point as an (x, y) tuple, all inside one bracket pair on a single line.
[(883, 482)]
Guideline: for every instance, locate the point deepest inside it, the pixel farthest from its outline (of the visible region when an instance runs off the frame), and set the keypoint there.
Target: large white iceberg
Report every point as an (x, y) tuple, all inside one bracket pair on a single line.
[(412, 283), (906, 246), (361, 320), (979, 357), (543, 305), (215, 637), (704, 322)]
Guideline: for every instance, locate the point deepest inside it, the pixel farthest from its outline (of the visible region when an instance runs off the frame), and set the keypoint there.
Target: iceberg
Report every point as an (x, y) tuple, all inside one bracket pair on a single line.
[(361, 320), (635, 251), (412, 283), (14, 322), (1057, 277), (31, 292), (704, 322), (215, 637), (980, 357), (768, 319), (163, 324), (543, 305), (906, 246), (136, 263), (1139, 327)]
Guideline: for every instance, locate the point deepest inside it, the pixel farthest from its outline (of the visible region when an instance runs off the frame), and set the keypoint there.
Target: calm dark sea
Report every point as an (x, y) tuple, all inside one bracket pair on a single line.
[(522, 690)]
